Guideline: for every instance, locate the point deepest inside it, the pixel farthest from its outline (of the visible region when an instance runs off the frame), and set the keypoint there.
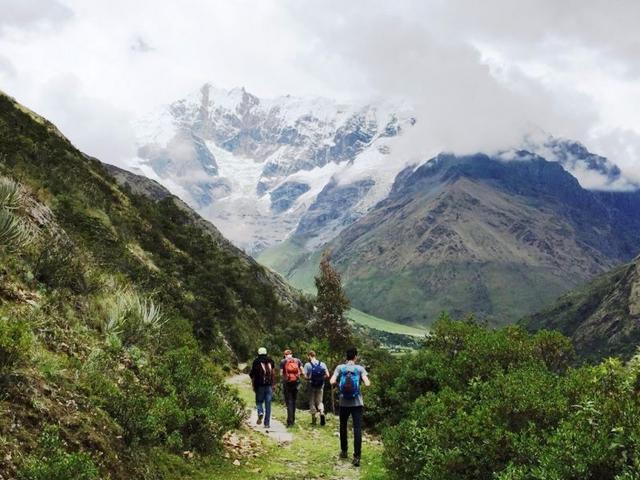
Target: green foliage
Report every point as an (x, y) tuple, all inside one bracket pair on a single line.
[(53, 462), (61, 266), (483, 404), (331, 305), (15, 343)]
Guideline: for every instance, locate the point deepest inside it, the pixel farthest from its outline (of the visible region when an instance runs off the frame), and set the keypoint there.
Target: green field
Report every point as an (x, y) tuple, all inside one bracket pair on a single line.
[(384, 325)]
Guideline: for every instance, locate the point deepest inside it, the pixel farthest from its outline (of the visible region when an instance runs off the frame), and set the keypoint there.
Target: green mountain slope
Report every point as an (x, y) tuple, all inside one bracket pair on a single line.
[(475, 235), (602, 318), (119, 308)]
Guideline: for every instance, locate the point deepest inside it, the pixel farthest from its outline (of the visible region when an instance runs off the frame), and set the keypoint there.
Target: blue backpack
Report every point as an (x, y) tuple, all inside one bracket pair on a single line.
[(349, 382), (317, 375)]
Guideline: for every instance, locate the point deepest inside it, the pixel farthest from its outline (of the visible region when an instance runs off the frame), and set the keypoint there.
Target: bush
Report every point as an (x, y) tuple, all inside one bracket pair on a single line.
[(520, 414), (179, 400), (15, 343), (53, 462)]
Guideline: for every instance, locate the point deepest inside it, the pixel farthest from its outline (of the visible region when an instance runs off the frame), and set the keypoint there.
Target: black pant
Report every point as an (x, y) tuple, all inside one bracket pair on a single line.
[(290, 397), (356, 414)]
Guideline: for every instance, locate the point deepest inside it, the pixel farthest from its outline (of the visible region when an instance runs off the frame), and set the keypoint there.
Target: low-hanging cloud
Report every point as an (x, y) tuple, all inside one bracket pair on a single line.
[(22, 15), (480, 75)]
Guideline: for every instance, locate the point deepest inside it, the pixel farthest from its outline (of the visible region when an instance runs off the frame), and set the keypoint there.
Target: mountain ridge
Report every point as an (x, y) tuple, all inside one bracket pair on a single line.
[(478, 234)]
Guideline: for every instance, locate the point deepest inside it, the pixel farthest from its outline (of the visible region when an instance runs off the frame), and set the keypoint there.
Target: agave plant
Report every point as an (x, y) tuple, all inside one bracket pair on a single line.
[(14, 232), (133, 318), (11, 194)]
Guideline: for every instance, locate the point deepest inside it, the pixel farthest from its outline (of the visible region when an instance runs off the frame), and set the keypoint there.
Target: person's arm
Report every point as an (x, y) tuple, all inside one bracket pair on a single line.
[(307, 370), (334, 379), (300, 368), (365, 378), (273, 374), (326, 371)]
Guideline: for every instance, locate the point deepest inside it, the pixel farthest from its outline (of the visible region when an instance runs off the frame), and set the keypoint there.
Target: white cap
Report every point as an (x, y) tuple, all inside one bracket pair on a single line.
[(262, 351)]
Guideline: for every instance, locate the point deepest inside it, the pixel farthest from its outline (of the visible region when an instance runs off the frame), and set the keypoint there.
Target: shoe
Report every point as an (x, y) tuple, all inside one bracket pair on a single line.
[(260, 416), (344, 454), (313, 421), (267, 427), (356, 461), (323, 420)]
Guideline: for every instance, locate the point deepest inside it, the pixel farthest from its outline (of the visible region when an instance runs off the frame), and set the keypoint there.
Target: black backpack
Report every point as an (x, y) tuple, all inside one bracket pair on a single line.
[(265, 373)]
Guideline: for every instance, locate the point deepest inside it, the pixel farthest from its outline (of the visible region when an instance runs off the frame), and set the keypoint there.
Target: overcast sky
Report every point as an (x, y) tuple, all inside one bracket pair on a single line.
[(480, 74)]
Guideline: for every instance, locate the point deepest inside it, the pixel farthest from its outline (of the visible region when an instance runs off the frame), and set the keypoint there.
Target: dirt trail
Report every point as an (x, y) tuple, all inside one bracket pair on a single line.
[(277, 430)]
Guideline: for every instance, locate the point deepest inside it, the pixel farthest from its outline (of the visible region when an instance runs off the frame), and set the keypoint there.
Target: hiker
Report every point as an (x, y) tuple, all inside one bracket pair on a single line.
[(263, 380), (290, 372), (316, 372), (349, 378)]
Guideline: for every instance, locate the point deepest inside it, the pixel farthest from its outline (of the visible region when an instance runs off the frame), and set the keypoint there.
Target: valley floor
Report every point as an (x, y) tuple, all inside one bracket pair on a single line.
[(312, 454)]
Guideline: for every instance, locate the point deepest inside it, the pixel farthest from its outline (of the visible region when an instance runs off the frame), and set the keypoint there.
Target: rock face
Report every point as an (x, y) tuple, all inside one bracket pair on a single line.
[(262, 163), (480, 234), (602, 318)]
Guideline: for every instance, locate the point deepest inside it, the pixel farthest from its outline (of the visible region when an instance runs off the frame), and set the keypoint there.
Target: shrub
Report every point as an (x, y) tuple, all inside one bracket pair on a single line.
[(133, 318), (53, 462), (520, 414), (15, 343)]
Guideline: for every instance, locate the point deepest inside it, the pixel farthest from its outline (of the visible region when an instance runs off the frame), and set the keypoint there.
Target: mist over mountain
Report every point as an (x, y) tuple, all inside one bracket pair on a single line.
[(264, 170)]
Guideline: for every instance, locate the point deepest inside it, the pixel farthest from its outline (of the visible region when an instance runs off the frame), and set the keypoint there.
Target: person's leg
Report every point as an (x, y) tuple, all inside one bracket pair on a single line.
[(313, 401), (294, 399), (320, 405), (356, 413), (259, 402), (344, 419), (288, 395), (268, 396)]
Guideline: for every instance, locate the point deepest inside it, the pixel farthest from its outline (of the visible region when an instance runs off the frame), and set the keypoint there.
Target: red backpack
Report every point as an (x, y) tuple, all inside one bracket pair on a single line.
[(291, 370)]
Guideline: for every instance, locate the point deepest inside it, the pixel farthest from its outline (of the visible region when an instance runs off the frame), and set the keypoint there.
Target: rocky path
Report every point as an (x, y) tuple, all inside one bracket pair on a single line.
[(306, 452), (277, 430)]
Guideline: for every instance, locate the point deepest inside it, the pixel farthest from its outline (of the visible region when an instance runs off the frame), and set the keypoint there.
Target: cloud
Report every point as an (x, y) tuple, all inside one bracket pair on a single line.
[(479, 74), (482, 75), (140, 45), (7, 69), (32, 14), (95, 127)]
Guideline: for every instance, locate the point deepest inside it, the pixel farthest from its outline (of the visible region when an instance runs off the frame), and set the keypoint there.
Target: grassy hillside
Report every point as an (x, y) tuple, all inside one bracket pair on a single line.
[(601, 317), (119, 310)]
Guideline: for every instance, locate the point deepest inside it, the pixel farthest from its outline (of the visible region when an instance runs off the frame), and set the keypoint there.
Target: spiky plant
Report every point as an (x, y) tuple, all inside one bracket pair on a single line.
[(11, 194), (133, 318), (14, 232)]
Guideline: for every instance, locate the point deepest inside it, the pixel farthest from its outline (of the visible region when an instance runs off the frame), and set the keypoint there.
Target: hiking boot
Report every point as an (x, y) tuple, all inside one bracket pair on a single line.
[(260, 416), (356, 461), (323, 420), (267, 427), (313, 421), (344, 454)]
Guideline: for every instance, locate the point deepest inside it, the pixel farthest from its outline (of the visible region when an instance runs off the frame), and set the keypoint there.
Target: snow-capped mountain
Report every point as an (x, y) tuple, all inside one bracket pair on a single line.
[(262, 168)]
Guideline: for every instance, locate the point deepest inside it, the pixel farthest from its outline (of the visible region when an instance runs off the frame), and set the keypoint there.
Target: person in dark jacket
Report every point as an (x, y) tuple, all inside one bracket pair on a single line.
[(263, 380)]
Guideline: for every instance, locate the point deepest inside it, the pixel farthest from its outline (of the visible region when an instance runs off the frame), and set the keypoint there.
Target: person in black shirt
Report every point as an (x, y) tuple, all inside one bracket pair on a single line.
[(263, 380)]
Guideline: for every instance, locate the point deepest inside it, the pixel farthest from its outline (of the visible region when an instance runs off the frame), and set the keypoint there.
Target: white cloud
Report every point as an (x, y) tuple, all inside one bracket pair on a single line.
[(480, 74)]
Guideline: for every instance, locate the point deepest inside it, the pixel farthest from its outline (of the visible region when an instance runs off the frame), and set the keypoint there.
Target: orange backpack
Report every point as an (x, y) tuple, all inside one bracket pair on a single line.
[(291, 370)]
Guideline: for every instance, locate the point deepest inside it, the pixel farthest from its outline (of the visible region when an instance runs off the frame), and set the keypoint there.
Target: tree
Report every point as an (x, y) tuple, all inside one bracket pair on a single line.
[(331, 304)]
